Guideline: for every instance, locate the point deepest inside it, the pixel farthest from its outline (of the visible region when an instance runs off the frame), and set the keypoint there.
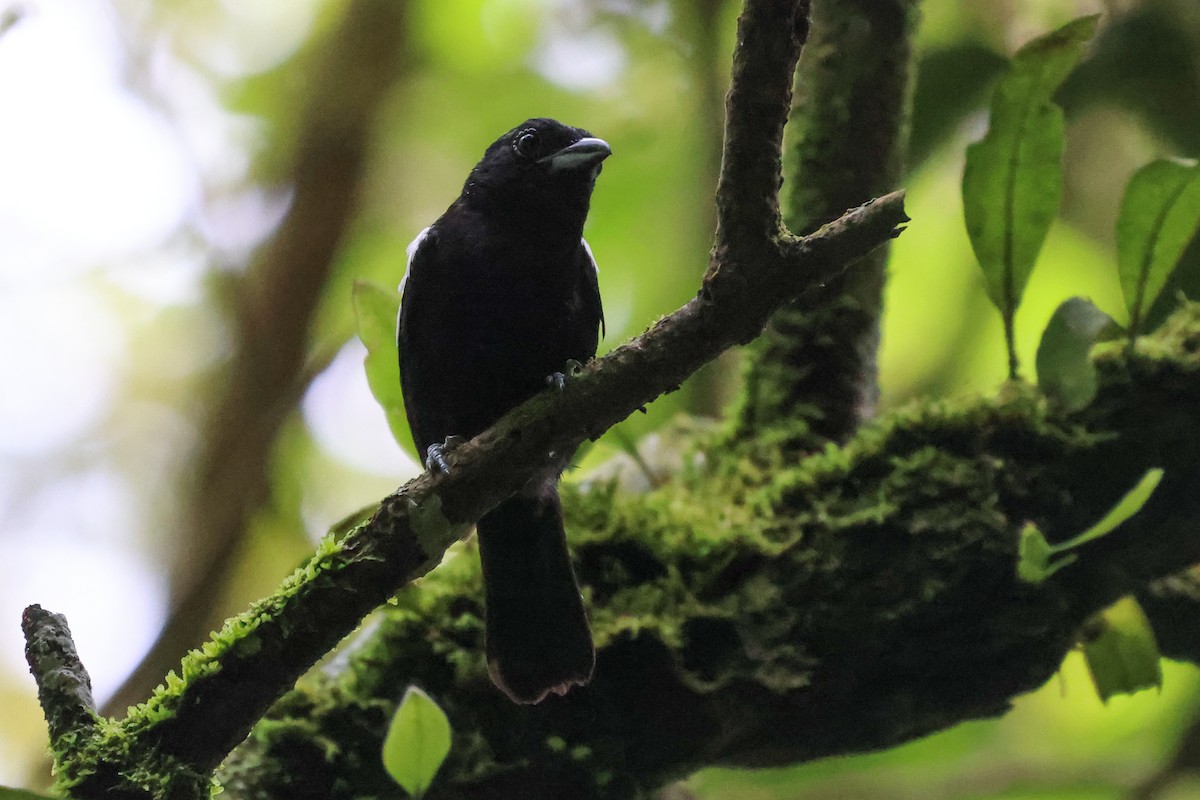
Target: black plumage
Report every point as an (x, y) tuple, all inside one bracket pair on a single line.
[(500, 293)]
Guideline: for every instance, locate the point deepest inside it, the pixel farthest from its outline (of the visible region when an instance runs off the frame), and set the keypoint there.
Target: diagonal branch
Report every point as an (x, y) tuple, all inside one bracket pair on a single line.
[(261, 654), (228, 685)]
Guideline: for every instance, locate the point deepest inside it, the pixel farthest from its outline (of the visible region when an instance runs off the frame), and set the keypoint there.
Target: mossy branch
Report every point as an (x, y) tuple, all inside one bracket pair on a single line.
[(760, 610), (227, 686), (191, 724)]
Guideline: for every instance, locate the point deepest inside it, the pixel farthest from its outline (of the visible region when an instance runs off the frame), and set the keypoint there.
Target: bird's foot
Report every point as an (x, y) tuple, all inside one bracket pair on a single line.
[(435, 456), (558, 380)]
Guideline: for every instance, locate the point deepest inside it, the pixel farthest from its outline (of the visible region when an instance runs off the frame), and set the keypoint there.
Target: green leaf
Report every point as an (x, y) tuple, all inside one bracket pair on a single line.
[(1125, 508), (20, 794), (1121, 651), (1160, 214), (375, 310), (1035, 554), (1012, 182), (417, 742), (1065, 372)]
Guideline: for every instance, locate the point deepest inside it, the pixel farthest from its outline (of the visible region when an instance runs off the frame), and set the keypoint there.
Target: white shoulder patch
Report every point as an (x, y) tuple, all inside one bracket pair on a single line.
[(411, 252), (586, 247)]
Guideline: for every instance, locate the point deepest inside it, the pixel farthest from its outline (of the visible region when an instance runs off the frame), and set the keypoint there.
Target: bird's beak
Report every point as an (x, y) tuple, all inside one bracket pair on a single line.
[(585, 153)]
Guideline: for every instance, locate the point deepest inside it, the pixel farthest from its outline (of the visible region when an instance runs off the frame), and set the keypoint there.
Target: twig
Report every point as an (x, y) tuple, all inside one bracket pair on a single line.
[(64, 687)]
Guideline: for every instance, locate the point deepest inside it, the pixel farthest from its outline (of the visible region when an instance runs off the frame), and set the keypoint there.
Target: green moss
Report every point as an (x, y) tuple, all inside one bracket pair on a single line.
[(238, 636), (113, 757), (751, 568)]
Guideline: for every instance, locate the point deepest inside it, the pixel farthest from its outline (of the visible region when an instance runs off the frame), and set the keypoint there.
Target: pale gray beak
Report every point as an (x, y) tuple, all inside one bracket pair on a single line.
[(585, 153)]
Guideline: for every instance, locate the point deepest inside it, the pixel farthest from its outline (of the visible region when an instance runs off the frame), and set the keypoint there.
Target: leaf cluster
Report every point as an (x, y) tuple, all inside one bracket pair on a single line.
[(1012, 186)]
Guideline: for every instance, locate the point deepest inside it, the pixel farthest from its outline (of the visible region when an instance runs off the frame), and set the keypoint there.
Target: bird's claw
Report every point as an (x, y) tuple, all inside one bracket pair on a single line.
[(435, 456), (558, 380)]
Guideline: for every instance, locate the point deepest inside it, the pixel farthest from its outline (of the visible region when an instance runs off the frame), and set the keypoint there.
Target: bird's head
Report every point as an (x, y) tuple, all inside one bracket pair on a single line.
[(539, 168)]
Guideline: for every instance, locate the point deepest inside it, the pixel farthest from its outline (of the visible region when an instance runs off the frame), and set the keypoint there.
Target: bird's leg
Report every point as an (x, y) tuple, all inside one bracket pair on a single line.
[(435, 456), (558, 380)]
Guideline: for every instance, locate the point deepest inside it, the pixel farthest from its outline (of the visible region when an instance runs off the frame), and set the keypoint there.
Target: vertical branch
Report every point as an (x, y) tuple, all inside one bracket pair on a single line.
[(748, 187), (815, 366)]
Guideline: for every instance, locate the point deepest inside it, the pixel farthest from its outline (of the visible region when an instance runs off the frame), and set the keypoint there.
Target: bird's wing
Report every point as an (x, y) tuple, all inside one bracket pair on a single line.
[(594, 283)]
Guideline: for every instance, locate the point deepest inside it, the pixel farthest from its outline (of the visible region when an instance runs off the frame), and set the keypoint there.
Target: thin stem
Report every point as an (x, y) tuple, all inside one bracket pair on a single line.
[(1010, 342)]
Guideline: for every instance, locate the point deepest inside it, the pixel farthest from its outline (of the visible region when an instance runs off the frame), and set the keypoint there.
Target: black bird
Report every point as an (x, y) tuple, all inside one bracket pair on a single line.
[(500, 295)]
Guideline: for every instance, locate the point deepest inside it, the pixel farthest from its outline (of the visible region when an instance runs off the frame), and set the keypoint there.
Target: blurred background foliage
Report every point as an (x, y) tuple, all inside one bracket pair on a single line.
[(151, 147)]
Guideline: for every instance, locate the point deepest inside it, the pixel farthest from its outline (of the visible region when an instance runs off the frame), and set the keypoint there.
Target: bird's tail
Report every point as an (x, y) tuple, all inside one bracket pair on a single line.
[(538, 639)]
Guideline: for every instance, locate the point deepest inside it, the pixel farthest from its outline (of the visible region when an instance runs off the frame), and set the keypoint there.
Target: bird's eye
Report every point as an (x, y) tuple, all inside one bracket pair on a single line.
[(527, 144)]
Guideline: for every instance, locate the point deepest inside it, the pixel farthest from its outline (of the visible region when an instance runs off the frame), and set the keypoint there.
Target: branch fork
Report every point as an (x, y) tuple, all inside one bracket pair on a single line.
[(756, 267)]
